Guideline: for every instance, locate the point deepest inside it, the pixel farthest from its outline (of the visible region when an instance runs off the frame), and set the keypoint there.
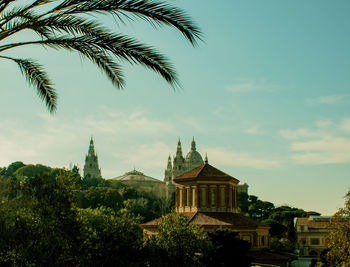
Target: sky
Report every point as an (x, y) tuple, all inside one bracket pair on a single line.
[(265, 95)]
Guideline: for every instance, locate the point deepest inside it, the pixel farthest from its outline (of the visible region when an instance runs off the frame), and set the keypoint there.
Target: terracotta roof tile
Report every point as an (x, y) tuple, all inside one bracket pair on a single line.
[(204, 171), (224, 219), (214, 219), (312, 224)]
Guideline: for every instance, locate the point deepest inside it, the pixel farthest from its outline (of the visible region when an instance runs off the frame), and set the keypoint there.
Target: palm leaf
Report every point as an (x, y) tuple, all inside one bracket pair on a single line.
[(38, 78)]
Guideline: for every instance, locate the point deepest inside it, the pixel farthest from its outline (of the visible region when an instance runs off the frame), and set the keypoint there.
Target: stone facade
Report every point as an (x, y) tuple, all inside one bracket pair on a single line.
[(180, 164), (91, 167), (311, 234), (208, 197)]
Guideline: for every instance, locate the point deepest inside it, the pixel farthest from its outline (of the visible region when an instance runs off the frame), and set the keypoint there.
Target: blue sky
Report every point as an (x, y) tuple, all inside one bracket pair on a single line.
[(266, 95)]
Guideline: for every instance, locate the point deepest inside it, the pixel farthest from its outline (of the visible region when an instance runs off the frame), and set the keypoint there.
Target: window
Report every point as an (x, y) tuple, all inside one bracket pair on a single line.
[(213, 198), (315, 241), (185, 197), (302, 228), (204, 198)]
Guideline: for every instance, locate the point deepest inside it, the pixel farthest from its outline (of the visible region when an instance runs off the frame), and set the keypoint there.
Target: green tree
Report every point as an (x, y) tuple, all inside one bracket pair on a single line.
[(12, 168), (227, 250), (178, 243), (75, 25), (109, 238), (95, 197), (338, 240)]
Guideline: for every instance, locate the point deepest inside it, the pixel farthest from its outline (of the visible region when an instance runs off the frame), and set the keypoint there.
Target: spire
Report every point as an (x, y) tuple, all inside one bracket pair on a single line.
[(179, 149), (91, 167), (206, 159), (169, 167), (193, 145), (91, 147)]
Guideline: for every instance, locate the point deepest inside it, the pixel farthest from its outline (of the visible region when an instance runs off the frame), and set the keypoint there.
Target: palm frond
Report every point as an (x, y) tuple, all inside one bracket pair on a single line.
[(38, 78), (152, 11), (120, 46)]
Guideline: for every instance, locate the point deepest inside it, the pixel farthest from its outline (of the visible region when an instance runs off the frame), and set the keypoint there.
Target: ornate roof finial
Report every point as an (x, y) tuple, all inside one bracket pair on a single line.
[(179, 149), (193, 145), (206, 159)]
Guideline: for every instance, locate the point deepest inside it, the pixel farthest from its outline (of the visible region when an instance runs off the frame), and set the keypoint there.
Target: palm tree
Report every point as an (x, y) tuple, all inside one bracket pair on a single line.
[(74, 26)]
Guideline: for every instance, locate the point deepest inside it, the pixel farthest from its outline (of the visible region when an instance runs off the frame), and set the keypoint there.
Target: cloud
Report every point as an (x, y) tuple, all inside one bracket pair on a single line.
[(245, 86), (324, 123), (57, 142), (242, 87), (222, 156), (345, 125), (329, 100), (326, 146), (299, 133), (144, 156), (253, 130)]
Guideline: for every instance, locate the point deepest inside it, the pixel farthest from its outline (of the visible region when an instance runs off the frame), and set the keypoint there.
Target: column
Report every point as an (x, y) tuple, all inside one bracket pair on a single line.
[(218, 197)]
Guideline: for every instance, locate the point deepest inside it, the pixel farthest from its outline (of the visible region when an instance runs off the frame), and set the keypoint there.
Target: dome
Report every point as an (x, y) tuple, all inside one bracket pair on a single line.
[(135, 175), (194, 158)]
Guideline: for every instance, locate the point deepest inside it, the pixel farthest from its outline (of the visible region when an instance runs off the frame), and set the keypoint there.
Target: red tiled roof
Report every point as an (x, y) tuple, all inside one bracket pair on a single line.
[(224, 219), (312, 224), (215, 219), (204, 171)]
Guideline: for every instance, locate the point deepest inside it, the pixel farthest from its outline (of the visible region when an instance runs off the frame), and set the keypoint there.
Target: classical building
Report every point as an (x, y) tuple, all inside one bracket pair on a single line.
[(91, 168), (180, 164), (144, 183), (311, 234), (208, 197)]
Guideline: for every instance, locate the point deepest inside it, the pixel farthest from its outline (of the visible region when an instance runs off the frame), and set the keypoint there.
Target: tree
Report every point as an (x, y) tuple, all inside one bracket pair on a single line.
[(109, 238), (178, 243), (95, 197), (227, 249), (338, 240), (74, 25)]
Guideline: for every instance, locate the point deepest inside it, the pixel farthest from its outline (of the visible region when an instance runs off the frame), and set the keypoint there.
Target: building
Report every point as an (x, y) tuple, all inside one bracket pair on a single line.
[(91, 167), (180, 165), (208, 197), (311, 234), (142, 182)]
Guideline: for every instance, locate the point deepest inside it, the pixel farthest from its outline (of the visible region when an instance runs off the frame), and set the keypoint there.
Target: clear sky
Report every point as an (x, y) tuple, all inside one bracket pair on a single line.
[(266, 95)]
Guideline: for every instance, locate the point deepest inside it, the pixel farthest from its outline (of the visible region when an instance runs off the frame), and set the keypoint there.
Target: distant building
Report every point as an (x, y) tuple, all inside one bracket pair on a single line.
[(243, 188), (180, 165), (311, 234), (208, 197), (142, 182), (91, 168)]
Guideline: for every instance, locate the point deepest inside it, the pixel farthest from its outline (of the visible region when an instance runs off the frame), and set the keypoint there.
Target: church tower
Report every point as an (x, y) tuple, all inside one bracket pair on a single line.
[(91, 167), (179, 162), (168, 172)]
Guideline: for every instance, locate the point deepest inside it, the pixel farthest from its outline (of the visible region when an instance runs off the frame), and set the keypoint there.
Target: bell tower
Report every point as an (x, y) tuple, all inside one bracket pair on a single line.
[(91, 167)]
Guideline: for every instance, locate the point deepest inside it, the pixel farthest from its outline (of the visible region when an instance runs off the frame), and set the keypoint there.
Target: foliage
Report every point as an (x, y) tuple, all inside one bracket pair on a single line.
[(109, 238), (77, 25), (41, 223), (178, 243), (338, 240), (227, 249), (281, 244), (12, 168), (95, 197), (88, 181)]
